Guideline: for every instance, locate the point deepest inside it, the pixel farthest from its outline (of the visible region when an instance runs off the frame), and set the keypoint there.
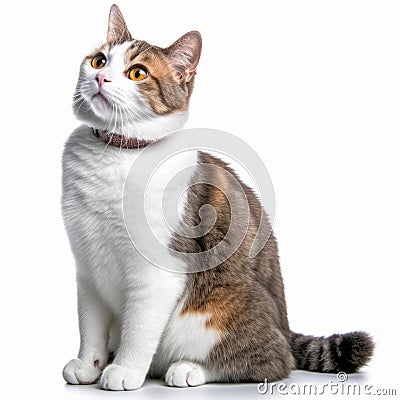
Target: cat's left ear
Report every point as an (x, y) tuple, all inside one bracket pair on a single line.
[(117, 30), (184, 55)]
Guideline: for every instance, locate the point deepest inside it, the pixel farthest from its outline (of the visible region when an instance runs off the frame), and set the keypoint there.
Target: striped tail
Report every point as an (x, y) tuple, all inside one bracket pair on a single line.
[(347, 352)]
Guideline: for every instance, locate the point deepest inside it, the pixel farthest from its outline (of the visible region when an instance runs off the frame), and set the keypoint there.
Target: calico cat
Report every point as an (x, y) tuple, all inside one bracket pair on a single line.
[(224, 324)]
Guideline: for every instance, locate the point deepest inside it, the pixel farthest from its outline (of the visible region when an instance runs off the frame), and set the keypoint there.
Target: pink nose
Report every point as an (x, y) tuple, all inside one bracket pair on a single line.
[(101, 78)]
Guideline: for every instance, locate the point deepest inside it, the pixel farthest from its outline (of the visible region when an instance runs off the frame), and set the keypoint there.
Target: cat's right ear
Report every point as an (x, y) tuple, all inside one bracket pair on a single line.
[(184, 54), (117, 30)]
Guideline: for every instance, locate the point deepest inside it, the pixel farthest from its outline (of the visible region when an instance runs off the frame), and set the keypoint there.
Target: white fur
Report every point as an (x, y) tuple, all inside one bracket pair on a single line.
[(118, 290), (185, 337), (186, 373), (78, 371)]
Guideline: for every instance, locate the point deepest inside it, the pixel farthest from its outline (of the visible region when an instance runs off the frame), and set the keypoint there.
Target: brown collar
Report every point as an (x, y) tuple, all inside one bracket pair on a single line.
[(121, 141)]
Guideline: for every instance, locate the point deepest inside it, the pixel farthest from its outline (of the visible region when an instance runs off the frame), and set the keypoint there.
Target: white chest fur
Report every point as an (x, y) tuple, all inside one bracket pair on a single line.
[(93, 184)]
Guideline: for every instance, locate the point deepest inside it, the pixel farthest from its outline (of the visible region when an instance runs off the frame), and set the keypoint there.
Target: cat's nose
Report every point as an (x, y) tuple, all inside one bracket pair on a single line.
[(101, 79)]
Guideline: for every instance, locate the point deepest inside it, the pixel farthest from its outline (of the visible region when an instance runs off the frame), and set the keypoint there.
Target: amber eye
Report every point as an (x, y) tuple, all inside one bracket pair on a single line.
[(99, 61), (137, 73)]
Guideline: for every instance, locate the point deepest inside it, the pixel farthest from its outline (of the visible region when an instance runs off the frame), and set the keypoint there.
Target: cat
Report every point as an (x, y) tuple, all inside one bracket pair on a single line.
[(224, 324)]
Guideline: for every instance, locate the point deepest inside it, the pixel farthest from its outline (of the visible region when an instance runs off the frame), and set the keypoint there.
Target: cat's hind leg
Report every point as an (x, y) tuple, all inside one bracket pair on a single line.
[(188, 373)]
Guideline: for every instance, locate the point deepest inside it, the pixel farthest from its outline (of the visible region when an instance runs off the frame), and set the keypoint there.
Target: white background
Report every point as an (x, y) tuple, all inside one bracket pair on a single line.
[(313, 86)]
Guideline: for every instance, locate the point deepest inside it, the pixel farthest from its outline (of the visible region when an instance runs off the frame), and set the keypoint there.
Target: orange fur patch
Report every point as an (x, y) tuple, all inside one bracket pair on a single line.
[(222, 307)]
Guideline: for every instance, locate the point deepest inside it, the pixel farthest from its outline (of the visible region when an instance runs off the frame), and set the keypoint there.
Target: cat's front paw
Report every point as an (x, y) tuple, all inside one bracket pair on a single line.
[(115, 377), (78, 372)]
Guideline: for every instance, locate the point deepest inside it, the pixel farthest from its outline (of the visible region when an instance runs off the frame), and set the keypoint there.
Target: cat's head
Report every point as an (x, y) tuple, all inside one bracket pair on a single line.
[(133, 88)]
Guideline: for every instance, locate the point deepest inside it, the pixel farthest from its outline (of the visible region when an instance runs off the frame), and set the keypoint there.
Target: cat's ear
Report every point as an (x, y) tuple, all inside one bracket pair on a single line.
[(184, 55), (117, 30)]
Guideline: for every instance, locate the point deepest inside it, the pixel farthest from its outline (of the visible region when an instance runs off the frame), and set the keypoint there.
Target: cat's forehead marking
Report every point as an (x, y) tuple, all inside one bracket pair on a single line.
[(130, 50), (138, 47), (119, 49)]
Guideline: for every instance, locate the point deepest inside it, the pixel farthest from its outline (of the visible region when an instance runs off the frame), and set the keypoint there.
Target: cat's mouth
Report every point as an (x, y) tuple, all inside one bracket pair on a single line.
[(101, 103), (100, 96)]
